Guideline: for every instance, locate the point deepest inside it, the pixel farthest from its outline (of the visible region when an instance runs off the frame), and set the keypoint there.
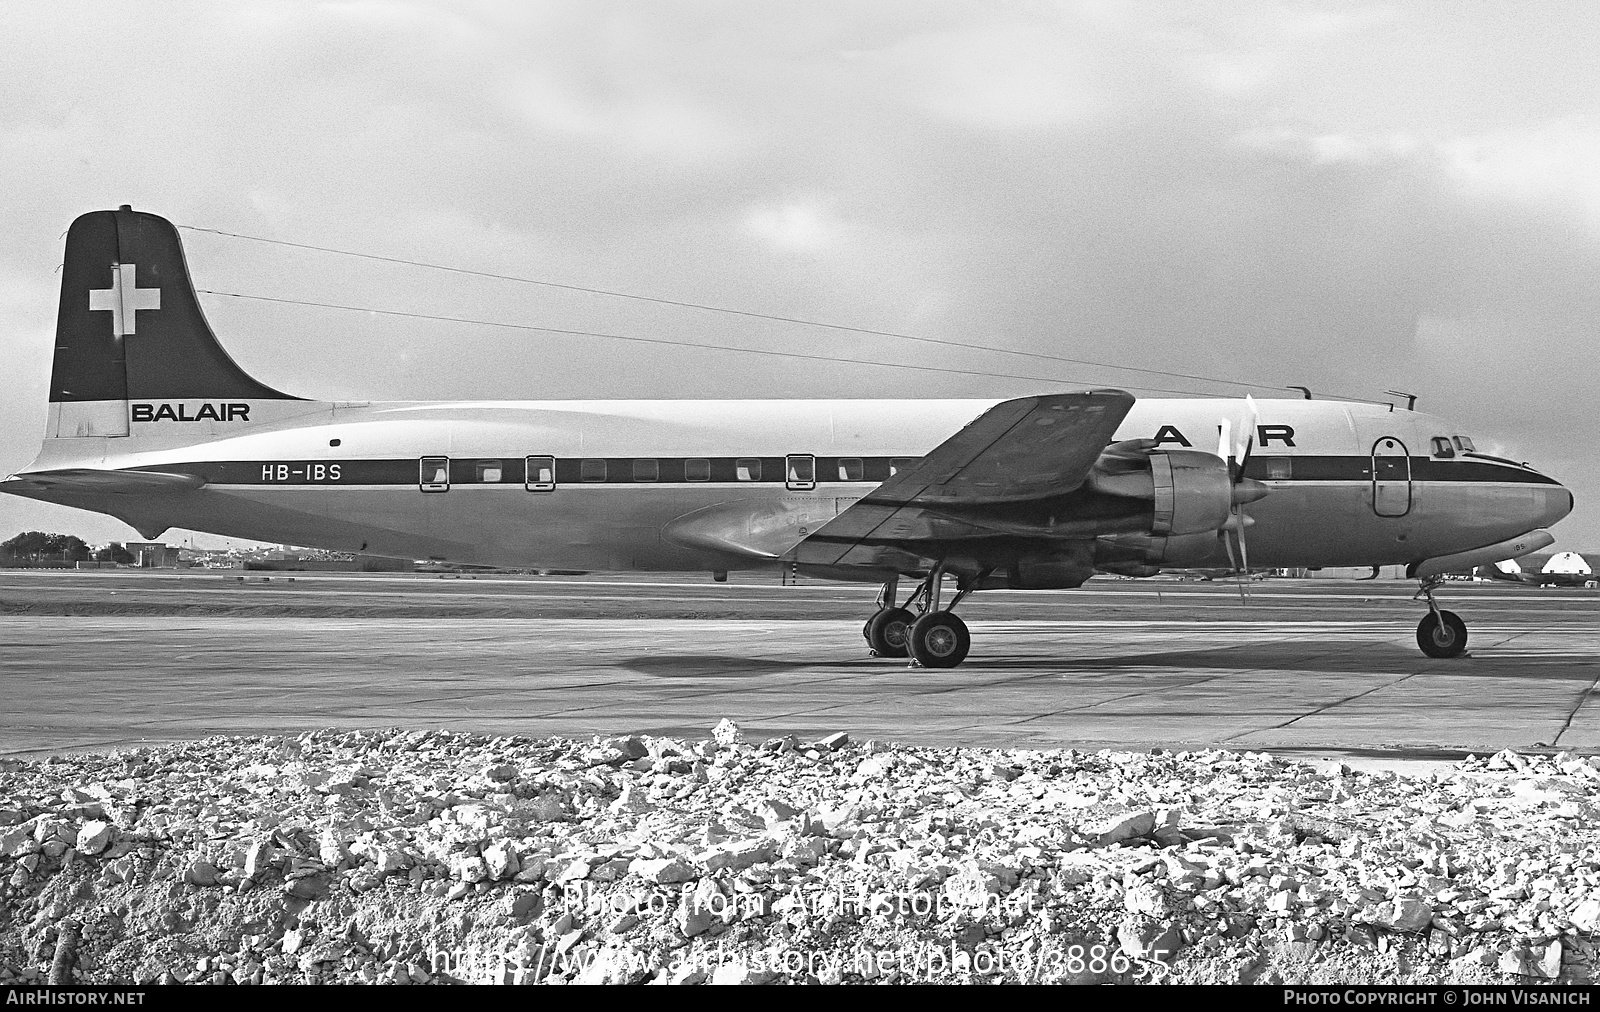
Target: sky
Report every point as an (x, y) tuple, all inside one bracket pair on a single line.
[(1353, 197)]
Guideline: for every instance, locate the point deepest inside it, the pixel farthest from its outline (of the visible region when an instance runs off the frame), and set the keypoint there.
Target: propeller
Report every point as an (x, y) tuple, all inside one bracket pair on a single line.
[(1245, 490)]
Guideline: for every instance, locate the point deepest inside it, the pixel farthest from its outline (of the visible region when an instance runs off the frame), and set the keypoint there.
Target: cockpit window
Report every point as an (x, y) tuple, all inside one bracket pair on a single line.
[(1465, 445), (1442, 447)]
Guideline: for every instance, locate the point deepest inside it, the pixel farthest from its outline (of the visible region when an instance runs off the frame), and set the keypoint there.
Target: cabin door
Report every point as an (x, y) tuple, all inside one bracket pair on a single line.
[(1391, 478)]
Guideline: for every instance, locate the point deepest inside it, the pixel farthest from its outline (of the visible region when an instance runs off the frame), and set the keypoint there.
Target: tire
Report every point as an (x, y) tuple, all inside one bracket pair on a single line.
[(940, 640), (1447, 638), (888, 632)]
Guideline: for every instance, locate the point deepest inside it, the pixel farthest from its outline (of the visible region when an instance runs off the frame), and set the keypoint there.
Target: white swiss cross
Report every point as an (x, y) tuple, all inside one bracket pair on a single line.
[(124, 299)]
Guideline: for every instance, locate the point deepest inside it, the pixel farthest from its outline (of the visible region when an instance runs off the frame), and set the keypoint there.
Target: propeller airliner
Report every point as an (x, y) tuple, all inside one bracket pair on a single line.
[(151, 421)]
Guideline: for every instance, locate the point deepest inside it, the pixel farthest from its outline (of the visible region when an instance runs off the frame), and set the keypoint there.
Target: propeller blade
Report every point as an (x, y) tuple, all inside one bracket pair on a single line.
[(1240, 575), (1252, 422), (1244, 562), (1238, 459)]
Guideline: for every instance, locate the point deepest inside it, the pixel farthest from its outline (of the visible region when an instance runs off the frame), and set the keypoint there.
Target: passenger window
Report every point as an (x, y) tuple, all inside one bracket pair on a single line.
[(488, 470), (697, 469), (1465, 445), (592, 469), (434, 474), (646, 470), (747, 469), (898, 464), (1278, 468), (1442, 447), (800, 471), (541, 474), (851, 469)]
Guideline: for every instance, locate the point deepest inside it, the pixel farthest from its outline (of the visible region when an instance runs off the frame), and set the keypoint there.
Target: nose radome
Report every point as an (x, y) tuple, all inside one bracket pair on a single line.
[(1557, 503)]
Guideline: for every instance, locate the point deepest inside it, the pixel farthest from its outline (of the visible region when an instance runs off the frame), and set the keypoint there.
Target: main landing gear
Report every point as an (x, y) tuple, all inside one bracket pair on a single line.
[(1440, 633), (888, 631), (932, 636)]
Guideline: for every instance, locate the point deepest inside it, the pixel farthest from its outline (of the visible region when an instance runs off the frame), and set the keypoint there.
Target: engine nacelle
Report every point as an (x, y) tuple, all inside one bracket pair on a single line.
[(1193, 493), (1139, 569), (1059, 570), (1144, 554)]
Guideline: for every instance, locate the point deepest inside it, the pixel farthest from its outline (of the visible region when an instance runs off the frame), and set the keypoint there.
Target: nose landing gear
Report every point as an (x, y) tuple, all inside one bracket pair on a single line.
[(1440, 633)]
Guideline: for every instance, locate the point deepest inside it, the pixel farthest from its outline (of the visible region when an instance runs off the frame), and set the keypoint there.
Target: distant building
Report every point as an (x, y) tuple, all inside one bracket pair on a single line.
[(1567, 564), (1567, 569), (153, 555)]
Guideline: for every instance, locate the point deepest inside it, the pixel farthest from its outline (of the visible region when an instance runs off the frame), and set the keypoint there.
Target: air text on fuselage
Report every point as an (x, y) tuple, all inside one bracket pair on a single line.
[(207, 412), (1265, 435)]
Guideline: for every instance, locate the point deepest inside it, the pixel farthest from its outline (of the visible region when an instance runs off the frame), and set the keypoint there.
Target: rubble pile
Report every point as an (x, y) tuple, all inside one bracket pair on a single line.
[(435, 857)]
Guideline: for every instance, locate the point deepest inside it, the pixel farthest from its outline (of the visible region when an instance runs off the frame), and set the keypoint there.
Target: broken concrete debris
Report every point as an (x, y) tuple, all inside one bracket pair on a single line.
[(409, 857)]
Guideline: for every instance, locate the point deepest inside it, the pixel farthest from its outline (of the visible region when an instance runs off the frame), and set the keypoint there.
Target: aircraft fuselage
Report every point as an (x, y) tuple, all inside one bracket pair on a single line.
[(1350, 484)]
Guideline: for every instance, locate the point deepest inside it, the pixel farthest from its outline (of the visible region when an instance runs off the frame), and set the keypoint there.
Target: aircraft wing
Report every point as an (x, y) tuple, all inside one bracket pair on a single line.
[(1017, 452), (93, 481)]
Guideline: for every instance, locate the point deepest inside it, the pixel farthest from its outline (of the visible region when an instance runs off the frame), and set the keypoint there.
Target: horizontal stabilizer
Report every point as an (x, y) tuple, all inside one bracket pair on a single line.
[(92, 481)]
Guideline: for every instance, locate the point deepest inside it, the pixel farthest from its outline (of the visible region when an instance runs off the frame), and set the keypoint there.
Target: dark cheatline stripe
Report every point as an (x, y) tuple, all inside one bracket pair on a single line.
[(1354, 468), (771, 470), (513, 470)]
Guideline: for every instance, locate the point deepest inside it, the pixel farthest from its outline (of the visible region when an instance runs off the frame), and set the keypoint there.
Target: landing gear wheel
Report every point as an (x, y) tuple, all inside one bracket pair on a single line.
[(888, 632), (1442, 634), (940, 640)]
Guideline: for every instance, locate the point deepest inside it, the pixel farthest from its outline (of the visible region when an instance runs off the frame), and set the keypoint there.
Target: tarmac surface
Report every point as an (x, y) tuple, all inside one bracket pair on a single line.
[(96, 660)]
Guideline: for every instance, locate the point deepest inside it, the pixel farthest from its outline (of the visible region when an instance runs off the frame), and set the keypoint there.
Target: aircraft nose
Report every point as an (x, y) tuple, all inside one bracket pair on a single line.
[(1552, 502)]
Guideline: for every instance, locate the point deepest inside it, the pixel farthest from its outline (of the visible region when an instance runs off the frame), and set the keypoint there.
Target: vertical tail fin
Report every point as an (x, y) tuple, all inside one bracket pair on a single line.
[(130, 328)]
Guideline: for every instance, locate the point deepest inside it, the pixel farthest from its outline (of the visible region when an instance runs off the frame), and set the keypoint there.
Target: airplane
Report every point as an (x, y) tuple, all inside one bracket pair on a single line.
[(151, 421), (1504, 571), (1564, 569)]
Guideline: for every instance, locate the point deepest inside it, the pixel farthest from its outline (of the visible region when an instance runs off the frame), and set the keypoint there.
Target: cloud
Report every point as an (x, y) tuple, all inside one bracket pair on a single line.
[(1002, 77), (1333, 148), (644, 121), (795, 225), (1557, 162)]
